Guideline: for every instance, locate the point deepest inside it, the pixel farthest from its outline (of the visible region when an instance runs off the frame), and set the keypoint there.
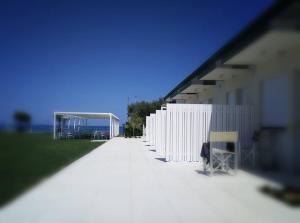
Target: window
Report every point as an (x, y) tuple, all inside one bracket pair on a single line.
[(231, 98), (274, 102), (241, 96)]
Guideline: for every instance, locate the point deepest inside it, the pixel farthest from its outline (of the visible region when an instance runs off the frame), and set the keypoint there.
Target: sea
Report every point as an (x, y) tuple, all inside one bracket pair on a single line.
[(49, 128)]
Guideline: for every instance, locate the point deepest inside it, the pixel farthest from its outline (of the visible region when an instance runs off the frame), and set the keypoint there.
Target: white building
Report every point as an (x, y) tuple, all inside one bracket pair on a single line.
[(259, 67)]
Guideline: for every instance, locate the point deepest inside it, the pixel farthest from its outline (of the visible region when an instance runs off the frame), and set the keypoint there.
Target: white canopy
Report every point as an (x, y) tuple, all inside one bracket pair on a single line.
[(113, 120)]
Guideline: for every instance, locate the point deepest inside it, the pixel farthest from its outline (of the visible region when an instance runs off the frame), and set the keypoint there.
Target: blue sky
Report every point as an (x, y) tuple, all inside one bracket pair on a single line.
[(93, 55)]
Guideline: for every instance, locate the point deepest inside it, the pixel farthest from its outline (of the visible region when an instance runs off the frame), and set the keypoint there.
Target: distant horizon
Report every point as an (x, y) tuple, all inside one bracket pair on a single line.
[(93, 123), (48, 128)]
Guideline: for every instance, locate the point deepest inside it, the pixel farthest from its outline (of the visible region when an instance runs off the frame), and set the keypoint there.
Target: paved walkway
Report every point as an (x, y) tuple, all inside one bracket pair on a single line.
[(122, 181)]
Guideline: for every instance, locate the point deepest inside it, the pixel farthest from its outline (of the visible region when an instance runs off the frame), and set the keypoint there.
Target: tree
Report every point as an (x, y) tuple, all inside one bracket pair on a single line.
[(143, 108), (137, 113), (136, 123), (22, 121)]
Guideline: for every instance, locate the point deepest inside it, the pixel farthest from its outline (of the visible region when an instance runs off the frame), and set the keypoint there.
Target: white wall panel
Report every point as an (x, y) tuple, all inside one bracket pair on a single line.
[(147, 128), (152, 129), (188, 126), (160, 133)]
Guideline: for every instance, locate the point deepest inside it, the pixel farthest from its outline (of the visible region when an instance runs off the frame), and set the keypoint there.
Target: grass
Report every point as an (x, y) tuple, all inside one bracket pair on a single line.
[(25, 159)]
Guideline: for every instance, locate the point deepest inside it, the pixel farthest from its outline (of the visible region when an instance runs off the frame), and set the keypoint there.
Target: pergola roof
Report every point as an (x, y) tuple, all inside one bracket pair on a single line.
[(89, 115)]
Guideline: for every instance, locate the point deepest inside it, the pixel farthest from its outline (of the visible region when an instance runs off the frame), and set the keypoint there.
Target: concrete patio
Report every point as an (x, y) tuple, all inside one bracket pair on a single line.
[(123, 181)]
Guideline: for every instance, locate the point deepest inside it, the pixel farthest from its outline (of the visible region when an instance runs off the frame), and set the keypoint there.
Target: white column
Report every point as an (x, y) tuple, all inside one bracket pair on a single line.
[(118, 127), (117, 121), (113, 127), (113, 131), (110, 122), (54, 126)]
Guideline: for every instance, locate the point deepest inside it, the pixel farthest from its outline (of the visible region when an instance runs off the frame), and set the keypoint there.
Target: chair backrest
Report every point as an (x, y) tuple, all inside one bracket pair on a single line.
[(223, 137)]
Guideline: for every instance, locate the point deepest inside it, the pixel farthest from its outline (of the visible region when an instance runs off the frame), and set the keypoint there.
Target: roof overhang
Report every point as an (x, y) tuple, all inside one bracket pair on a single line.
[(274, 34), (198, 86)]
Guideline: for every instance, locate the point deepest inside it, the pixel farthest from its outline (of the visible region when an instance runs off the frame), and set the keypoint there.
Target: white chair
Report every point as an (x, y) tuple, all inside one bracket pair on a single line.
[(220, 158), (95, 135), (69, 135)]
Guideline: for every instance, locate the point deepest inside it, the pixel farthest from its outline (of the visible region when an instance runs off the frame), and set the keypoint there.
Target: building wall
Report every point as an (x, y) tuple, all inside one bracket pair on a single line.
[(250, 86)]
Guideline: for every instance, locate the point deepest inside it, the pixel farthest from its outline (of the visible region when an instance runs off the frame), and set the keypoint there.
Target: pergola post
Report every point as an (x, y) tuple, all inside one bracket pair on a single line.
[(112, 127), (54, 126), (110, 122)]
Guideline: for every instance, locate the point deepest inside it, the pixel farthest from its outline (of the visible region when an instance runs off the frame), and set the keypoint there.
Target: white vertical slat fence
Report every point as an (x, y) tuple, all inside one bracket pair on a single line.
[(178, 132), (188, 127)]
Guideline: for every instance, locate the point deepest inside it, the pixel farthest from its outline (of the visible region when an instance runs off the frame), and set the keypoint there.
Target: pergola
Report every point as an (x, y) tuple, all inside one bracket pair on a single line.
[(80, 118)]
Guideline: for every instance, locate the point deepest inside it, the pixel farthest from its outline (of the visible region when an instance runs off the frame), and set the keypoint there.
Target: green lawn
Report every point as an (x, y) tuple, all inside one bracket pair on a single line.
[(25, 159)]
